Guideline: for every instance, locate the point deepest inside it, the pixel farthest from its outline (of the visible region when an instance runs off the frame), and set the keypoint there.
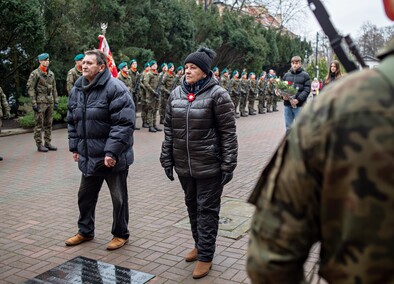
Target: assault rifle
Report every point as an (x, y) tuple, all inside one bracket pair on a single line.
[(158, 88), (137, 84), (335, 38)]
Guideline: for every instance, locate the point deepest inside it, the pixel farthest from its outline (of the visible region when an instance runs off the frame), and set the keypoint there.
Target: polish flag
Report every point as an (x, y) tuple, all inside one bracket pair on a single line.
[(104, 47)]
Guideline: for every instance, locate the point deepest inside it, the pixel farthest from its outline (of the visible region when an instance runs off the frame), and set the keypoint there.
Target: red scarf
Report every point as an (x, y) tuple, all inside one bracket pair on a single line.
[(43, 69), (125, 74), (133, 69)]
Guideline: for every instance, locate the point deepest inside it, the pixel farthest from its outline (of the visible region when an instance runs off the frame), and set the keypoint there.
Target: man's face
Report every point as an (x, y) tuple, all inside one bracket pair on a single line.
[(125, 69), (253, 77), (333, 68), (134, 65), (217, 72), (193, 73), (295, 65), (165, 68), (44, 63), (154, 67), (180, 72), (78, 63), (90, 68), (172, 68)]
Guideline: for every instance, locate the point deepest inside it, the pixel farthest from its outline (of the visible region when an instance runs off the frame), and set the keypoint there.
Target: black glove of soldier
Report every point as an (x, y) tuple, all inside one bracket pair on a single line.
[(36, 109), (226, 177), (56, 106), (169, 173), (156, 94)]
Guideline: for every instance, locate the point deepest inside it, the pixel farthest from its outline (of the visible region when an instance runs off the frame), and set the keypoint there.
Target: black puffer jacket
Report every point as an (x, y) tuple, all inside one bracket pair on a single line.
[(101, 119), (200, 136), (301, 80)]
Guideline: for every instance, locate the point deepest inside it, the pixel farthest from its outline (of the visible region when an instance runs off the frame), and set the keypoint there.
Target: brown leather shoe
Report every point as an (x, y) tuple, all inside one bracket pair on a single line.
[(202, 269), (77, 239), (116, 243), (191, 255)]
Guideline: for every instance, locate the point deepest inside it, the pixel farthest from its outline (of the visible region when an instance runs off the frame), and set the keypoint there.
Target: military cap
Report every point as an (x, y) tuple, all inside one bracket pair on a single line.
[(215, 68), (251, 73), (162, 65), (122, 65), (147, 64), (79, 57), (234, 72), (225, 70), (179, 68), (152, 62), (170, 65), (132, 61), (43, 56), (243, 73)]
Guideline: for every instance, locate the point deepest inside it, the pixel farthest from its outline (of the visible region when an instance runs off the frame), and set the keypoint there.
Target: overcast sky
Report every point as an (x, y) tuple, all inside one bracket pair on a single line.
[(349, 15)]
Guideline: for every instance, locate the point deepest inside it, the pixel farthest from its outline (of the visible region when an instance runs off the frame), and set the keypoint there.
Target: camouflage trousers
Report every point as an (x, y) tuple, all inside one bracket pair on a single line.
[(251, 99), (272, 103), (242, 104), (43, 122), (163, 104), (151, 111), (143, 106), (235, 99), (261, 103)]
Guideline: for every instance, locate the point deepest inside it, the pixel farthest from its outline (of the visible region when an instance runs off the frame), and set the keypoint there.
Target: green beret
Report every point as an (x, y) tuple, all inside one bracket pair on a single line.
[(43, 56), (162, 65), (79, 57), (122, 65), (132, 61), (243, 73), (215, 68), (152, 62), (170, 65), (234, 72), (179, 68)]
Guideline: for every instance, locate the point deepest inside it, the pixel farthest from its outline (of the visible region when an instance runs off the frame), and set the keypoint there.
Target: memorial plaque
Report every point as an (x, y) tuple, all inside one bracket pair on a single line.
[(86, 270)]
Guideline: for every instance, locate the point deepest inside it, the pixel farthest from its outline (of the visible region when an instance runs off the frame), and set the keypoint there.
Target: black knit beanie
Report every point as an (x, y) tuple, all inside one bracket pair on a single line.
[(202, 58)]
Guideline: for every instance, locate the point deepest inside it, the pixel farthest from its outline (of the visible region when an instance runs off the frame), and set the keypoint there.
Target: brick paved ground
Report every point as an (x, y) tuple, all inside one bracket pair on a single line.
[(38, 195)]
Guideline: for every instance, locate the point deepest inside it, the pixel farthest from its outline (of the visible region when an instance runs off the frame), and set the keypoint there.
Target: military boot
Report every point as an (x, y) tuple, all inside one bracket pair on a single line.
[(152, 129), (41, 148), (145, 125), (157, 128), (50, 147)]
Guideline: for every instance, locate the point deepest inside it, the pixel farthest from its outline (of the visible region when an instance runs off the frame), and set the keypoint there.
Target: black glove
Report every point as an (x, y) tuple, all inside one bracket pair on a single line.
[(36, 109), (226, 177), (56, 106), (169, 173), (156, 95)]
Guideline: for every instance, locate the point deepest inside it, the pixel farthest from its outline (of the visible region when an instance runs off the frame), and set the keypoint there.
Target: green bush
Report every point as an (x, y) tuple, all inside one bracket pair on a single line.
[(27, 121), (60, 114)]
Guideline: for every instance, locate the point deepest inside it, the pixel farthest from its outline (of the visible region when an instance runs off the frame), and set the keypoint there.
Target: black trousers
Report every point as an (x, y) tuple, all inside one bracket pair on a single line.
[(202, 198)]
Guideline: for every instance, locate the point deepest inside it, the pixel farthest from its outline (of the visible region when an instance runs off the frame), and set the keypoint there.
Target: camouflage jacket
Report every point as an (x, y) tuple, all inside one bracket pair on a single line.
[(235, 88), (72, 76), (253, 88), (261, 87), (270, 89), (331, 181), (127, 80), (41, 87), (244, 87), (225, 82), (168, 83), (4, 105), (134, 76), (151, 81)]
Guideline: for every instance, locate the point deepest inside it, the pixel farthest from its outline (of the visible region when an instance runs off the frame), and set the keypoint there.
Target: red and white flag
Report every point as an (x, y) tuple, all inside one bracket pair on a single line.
[(104, 47)]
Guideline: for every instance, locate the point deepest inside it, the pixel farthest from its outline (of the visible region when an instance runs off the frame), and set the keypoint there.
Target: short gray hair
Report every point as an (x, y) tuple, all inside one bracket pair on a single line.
[(101, 57)]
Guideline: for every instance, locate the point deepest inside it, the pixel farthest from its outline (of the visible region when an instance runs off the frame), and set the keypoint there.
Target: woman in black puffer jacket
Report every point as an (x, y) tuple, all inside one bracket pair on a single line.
[(201, 143)]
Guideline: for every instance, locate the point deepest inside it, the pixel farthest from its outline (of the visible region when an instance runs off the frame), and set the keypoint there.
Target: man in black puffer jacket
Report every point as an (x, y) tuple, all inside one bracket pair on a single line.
[(301, 81), (101, 119), (201, 143)]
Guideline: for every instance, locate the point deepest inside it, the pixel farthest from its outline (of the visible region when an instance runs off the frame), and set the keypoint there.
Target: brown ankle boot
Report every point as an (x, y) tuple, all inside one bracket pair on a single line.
[(202, 269), (191, 255)]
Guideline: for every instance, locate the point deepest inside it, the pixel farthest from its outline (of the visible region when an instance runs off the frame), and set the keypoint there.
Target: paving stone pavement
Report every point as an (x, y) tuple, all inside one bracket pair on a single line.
[(38, 208)]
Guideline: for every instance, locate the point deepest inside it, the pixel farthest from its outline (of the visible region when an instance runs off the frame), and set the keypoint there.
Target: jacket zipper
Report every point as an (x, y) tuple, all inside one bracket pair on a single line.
[(187, 138), (84, 128)]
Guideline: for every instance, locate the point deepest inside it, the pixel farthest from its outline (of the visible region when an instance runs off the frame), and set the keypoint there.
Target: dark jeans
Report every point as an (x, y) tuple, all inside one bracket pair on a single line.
[(87, 199), (202, 198)]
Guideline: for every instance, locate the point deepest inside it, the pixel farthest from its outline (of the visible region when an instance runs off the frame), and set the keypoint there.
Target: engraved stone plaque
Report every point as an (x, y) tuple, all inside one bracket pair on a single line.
[(85, 270)]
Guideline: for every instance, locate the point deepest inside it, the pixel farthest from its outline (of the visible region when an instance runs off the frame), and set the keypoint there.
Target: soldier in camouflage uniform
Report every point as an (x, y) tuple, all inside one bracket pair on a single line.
[(143, 95), (216, 73), (244, 90), (74, 73), (168, 85), (272, 99), (261, 86), (225, 80), (179, 76), (41, 88), (331, 181), (235, 91), (4, 110), (136, 91), (152, 85), (252, 93)]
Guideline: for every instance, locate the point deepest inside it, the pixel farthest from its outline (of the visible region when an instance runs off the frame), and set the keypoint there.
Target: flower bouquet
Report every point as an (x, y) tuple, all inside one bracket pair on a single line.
[(286, 90)]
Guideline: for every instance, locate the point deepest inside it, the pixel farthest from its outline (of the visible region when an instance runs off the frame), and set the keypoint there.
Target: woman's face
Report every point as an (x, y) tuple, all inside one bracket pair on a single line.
[(333, 68), (193, 73)]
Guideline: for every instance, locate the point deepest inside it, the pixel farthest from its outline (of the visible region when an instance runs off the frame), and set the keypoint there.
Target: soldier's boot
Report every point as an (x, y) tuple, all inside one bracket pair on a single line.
[(152, 129), (275, 109), (50, 147), (244, 114), (157, 128), (237, 115), (41, 148), (252, 112), (145, 125)]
